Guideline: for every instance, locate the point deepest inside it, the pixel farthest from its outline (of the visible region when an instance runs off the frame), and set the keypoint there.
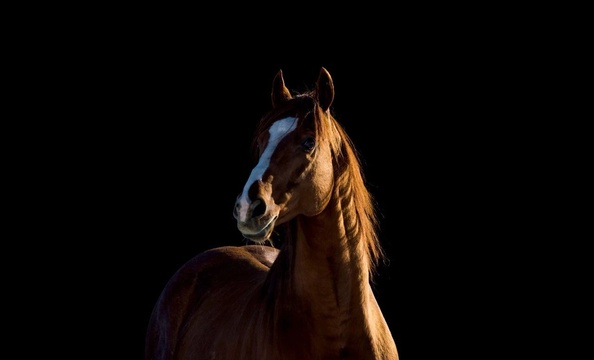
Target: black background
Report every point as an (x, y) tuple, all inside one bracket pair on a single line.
[(179, 155), (160, 150)]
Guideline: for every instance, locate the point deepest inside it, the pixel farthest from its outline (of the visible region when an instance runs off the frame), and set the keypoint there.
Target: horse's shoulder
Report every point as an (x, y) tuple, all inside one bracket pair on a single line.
[(235, 256), (228, 271), (266, 255), (222, 264)]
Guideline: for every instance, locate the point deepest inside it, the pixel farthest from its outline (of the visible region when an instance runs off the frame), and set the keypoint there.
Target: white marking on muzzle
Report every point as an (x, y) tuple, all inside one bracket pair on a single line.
[(278, 131)]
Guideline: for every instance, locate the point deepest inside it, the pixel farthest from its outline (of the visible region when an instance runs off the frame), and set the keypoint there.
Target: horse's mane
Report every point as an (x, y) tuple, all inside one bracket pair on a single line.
[(347, 169)]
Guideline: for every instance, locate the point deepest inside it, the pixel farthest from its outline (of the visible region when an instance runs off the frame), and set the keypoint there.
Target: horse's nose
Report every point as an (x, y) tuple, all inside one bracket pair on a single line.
[(255, 209)]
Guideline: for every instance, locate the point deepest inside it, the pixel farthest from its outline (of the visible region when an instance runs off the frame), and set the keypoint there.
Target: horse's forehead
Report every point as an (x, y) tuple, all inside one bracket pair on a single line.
[(278, 128), (281, 127), (299, 108), (276, 132)]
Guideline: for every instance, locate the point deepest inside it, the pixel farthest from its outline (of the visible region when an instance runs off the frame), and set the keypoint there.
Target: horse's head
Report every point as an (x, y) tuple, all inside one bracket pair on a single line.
[(294, 174)]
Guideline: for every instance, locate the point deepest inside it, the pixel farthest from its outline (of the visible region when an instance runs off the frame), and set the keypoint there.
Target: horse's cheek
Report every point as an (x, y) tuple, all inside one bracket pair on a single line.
[(322, 189)]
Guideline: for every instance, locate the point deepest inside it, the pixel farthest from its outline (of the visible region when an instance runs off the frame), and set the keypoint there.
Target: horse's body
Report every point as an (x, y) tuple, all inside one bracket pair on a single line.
[(312, 299)]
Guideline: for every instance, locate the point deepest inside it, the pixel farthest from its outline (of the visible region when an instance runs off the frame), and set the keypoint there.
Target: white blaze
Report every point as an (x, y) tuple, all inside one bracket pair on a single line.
[(277, 131)]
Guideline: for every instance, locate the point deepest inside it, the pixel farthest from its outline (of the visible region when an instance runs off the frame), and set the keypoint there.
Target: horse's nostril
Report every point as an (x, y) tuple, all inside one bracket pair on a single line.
[(259, 208)]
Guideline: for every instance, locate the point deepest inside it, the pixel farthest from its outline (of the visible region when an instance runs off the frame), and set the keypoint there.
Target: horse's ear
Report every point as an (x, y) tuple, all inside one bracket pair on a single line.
[(280, 93), (325, 89)]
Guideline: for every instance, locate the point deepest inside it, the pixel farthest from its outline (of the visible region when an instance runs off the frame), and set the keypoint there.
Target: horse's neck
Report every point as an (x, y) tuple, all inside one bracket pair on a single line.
[(329, 275), (330, 248)]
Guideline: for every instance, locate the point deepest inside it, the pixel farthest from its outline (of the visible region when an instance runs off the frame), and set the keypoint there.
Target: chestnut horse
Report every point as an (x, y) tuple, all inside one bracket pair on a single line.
[(312, 299)]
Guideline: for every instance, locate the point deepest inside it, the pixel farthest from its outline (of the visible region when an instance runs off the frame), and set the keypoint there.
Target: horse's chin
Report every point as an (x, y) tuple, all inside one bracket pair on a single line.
[(262, 235), (259, 238)]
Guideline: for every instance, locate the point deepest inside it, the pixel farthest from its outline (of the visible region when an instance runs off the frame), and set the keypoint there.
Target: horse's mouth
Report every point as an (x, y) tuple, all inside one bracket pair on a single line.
[(261, 235)]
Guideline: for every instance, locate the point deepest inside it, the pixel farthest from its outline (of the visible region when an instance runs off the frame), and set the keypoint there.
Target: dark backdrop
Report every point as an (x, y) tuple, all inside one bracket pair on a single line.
[(166, 133)]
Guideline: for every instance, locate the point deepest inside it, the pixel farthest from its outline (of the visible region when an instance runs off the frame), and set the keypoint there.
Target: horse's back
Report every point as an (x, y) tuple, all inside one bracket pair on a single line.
[(202, 288)]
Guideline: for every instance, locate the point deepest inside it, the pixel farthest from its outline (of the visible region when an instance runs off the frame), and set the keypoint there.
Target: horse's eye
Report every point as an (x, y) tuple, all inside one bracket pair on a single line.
[(308, 144)]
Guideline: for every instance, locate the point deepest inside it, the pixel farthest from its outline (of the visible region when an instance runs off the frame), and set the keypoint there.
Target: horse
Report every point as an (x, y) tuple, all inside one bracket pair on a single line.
[(308, 298)]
